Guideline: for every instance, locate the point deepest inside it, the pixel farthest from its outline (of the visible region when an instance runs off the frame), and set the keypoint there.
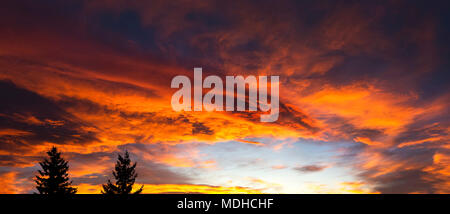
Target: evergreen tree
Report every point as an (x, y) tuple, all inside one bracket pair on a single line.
[(53, 179), (125, 176)]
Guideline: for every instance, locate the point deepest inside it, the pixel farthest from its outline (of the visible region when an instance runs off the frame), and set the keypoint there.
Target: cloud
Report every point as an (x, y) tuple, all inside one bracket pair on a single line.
[(278, 167), (7, 180), (13, 182), (176, 189), (310, 168), (251, 142), (31, 118), (354, 187), (200, 128)]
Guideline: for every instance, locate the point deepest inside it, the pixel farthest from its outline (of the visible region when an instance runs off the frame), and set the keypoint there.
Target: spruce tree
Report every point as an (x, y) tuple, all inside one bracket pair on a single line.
[(125, 176), (53, 179)]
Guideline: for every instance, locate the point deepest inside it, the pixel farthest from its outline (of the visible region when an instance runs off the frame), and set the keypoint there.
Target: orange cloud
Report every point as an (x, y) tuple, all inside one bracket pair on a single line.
[(364, 107), (367, 141), (342, 188), (416, 142), (440, 173), (356, 188), (265, 185), (11, 183), (278, 167), (175, 188), (13, 132), (7, 182)]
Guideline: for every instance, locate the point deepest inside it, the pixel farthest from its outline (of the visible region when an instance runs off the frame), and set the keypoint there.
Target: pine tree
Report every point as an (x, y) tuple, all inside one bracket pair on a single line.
[(125, 176), (53, 179)]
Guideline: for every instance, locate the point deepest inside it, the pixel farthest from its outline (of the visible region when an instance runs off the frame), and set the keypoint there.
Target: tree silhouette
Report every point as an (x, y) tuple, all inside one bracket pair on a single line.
[(125, 176), (53, 179)]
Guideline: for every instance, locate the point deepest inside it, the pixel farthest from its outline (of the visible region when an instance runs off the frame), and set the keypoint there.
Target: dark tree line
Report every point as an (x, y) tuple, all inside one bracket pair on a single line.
[(54, 179)]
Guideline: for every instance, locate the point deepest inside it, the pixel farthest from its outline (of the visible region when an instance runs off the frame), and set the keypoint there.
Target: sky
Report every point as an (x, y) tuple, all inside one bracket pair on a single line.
[(364, 94)]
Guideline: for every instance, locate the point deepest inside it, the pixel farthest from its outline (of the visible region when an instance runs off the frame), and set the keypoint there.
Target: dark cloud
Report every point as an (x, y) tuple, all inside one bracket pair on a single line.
[(310, 168), (289, 116), (344, 129), (200, 128), (409, 179), (40, 118), (17, 161), (403, 182), (423, 131)]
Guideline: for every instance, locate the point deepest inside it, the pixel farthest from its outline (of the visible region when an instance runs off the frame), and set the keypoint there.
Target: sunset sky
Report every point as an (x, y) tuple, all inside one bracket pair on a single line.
[(364, 94)]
